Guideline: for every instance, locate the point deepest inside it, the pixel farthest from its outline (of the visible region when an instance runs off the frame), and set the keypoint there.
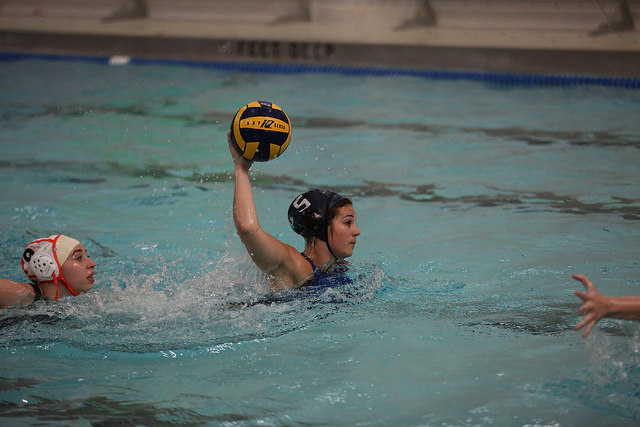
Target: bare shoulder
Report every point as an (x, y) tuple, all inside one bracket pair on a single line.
[(15, 293), (295, 270)]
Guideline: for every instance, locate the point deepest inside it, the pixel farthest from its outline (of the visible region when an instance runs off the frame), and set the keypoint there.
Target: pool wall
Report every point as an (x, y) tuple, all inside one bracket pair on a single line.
[(557, 37)]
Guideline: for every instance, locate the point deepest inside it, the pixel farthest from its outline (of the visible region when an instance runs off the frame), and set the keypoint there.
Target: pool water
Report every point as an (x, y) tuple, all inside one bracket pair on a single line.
[(476, 203)]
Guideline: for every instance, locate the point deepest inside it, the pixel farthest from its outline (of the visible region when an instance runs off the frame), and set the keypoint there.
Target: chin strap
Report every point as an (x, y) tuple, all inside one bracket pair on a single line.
[(336, 261), (331, 250), (66, 285)]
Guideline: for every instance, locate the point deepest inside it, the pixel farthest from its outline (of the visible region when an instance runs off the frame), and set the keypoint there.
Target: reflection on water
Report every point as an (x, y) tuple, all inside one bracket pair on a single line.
[(17, 113), (103, 411), (519, 201)]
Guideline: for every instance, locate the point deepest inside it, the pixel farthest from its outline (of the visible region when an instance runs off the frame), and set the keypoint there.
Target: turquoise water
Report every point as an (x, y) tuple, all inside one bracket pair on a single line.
[(476, 203)]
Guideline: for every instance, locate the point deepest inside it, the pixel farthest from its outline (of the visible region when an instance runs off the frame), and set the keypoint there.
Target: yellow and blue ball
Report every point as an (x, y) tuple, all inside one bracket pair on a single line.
[(260, 131)]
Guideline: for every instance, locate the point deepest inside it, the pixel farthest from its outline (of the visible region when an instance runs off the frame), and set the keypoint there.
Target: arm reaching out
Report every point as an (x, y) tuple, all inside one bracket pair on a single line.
[(596, 306)]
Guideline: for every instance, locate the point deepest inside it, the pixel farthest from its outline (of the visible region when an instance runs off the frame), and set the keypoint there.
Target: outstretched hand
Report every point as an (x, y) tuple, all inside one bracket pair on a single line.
[(594, 307)]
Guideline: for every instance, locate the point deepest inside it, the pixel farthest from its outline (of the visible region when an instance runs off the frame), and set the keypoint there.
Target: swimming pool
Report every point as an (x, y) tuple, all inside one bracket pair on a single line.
[(476, 201)]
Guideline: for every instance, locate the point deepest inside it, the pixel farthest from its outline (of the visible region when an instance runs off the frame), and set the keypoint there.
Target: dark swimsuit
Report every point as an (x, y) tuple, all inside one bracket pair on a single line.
[(36, 290), (327, 279), (312, 290)]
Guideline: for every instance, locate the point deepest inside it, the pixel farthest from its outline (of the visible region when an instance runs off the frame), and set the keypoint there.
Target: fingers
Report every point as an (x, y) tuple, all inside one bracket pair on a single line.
[(590, 318), (588, 321), (585, 281), (582, 279), (588, 330), (229, 140), (586, 307)]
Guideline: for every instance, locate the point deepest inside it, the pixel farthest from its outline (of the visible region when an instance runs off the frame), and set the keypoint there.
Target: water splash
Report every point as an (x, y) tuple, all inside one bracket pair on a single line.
[(149, 311)]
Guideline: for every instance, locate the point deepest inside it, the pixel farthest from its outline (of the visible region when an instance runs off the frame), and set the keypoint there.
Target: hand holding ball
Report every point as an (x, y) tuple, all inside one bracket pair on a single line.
[(260, 131)]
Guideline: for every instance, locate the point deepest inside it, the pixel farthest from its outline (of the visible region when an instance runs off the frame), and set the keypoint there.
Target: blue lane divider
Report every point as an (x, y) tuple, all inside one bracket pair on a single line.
[(503, 79)]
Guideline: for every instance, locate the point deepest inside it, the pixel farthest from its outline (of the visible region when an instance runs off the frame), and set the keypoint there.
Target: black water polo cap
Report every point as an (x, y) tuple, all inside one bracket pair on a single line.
[(308, 213)]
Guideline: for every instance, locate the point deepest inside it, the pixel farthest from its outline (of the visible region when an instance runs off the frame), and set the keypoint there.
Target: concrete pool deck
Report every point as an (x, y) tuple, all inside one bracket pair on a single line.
[(498, 36)]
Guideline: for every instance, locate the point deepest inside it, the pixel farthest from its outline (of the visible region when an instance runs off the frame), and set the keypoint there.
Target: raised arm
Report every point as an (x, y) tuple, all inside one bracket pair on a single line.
[(269, 254), (596, 306)]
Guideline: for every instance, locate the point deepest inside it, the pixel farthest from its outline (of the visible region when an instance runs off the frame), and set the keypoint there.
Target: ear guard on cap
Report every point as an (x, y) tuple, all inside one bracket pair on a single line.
[(307, 223), (39, 262), (44, 267)]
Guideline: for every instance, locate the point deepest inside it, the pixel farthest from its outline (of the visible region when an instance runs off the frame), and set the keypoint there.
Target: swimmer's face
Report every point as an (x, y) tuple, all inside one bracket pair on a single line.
[(343, 232), (78, 269)]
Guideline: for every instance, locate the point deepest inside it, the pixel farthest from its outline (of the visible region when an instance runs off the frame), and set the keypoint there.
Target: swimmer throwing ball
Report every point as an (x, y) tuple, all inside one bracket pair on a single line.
[(325, 219)]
